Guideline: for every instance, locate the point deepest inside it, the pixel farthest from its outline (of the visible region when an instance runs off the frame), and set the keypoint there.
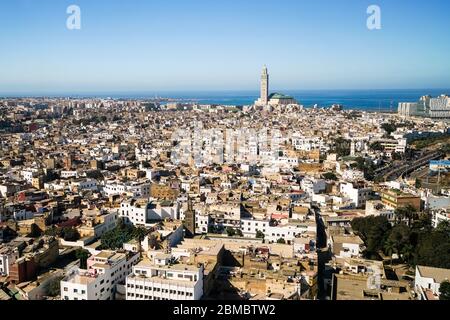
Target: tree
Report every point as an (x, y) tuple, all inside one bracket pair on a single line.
[(139, 234), (389, 127), (70, 234), (418, 183), (341, 147), (82, 255), (259, 234), (389, 248), (374, 231), (329, 176), (408, 254), (230, 231), (281, 240), (400, 214), (239, 233), (397, 156), (115, 238), (443, 226), (376, 146), (399, 236), (54, 287), (444, 290)]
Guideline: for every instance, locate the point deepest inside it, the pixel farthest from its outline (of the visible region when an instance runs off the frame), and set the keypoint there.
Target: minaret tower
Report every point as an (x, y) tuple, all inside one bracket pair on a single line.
[(265, 86)]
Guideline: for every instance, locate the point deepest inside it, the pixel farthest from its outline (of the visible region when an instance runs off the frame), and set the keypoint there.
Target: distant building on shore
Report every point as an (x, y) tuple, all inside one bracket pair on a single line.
[(435, 108), (274, 99)]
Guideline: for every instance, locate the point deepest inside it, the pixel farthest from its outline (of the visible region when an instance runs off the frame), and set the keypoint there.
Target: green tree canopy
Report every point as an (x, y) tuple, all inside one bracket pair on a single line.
[(444, 290)]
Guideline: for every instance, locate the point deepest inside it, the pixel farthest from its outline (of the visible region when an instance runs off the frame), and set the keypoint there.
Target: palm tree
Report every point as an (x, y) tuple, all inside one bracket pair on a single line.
[(139, 234), (410, 213), (407, 253), (82, 255), (390, 248)]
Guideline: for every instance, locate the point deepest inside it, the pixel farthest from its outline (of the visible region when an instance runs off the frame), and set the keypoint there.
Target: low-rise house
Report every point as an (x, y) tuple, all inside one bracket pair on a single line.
[(428, 281)]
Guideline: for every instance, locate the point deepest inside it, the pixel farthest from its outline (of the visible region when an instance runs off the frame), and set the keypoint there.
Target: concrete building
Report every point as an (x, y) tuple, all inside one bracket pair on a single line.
[(346, 246), (105, 270), (359, 193), (428, 281), (8, 256), (440, 215), (164, 280)]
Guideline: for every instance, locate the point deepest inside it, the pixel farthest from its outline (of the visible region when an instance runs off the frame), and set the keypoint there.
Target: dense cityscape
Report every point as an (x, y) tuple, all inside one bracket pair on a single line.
[(158, 199)]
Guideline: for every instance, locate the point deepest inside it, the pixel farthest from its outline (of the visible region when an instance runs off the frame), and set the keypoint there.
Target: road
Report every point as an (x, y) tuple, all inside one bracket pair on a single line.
[(406, 167)]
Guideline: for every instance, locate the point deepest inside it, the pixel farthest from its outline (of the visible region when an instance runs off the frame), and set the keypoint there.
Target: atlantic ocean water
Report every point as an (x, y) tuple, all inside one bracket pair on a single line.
[(369, 100)]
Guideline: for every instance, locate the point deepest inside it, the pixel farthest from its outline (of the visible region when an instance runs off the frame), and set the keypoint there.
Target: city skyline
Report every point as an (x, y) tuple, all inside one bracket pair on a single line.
[(157, 46)]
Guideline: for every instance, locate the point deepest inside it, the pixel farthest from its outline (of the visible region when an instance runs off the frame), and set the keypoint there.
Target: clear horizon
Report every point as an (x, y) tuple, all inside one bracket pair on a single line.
[(173, 46), (230, 91)]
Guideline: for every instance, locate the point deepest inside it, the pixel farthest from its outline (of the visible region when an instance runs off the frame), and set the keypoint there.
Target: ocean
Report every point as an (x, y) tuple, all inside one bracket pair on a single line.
[(370, 100)]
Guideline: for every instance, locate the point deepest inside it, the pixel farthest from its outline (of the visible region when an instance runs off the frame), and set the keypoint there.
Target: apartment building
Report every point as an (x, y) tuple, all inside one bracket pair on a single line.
[(105, 270), (164, 280), (143, 212), (359, 193), (313, 186), (135, 189), (398, 199)]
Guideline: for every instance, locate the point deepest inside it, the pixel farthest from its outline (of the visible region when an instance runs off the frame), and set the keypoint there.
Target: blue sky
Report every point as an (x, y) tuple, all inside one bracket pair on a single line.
[(140, 46)]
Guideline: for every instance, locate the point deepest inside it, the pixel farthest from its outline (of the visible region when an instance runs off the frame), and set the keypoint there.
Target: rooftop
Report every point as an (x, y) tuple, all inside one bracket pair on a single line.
[(437, 274)]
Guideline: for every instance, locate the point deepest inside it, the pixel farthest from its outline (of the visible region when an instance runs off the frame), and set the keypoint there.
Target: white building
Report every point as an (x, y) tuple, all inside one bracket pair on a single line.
[(440, 215), (162, 280), (142, 212), (250, 227), (358, 193), (352, 175), (81, 284), (21, 214), (201, 223), (288, 232), (29, 174), (407, 109), (7, 257), (377, 208), (440, 107), (313, 186), (86, 184), (428, 281), (134, 189), (65, 174), (346, 246), (105, 270)]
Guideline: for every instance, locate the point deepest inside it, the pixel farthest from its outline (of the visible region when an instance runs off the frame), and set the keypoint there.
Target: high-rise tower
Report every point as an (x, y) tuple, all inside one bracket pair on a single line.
[(264, 86)]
